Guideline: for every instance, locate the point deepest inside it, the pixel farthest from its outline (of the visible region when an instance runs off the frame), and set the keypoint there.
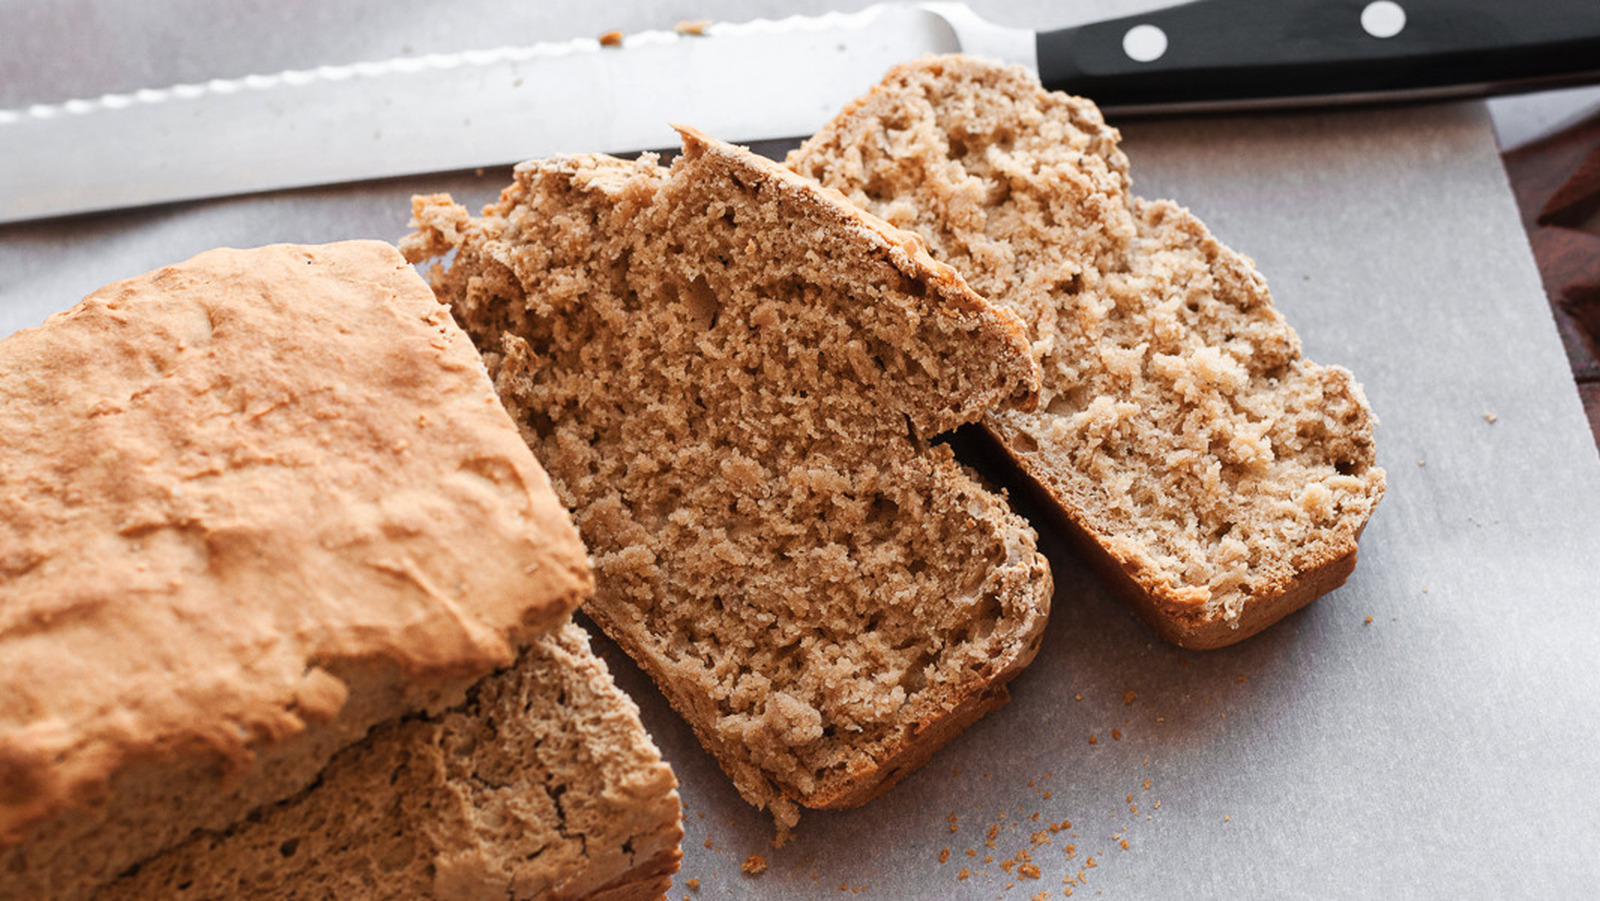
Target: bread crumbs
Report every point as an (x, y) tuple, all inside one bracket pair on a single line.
[(754, 865), (694, 885), (611, 39), (944, 856), (696, 27), (964, 874), (1028, 871), (1128, 697)]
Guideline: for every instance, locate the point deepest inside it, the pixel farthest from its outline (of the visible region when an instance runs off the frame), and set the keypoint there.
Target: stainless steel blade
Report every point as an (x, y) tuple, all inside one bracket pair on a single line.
[(743, 82)]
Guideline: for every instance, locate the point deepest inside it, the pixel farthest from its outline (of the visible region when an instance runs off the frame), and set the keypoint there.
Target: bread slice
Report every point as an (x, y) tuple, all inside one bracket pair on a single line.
[(254, 504), (733, 378), (543, 784), (1217, 478)]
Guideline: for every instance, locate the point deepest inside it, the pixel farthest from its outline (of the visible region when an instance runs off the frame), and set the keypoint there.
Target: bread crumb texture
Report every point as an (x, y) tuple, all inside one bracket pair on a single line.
[(254, 504), (542, 785), (1222, 478), (732, 377)]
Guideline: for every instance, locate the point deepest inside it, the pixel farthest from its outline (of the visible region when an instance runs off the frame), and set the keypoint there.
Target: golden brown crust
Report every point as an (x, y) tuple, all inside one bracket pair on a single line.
[(241, 487)]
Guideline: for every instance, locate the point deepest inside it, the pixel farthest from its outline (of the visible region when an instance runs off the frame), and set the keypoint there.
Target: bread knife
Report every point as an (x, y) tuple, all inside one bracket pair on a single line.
[(750, 82)]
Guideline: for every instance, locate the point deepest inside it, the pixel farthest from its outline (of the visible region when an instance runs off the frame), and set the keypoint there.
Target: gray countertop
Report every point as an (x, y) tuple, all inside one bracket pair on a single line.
[(1428, 730)]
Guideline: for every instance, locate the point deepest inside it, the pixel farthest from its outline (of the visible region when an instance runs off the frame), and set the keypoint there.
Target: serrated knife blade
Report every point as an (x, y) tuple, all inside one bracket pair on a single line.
[(747, 82)]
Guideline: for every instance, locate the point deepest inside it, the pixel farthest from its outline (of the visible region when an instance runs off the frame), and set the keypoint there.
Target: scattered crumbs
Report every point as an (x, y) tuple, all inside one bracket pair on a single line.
[(1128, 697), (1071, 850), (1158, 805), (951, 819), (1008, 864), (1161, 719), (611, 39), (1147, 785), (1424, 591), (1422, 462), (695, 27), (701, 815), (994, 832), (1088, 863), (964, 874), (1040, 838), (1146, 762), (1041, 896), (1116, 735), (988, 858), (1077, 696), (1490, 418), (1028, 871), (1367, 621), (972, 852), (694, 885), (1032, 783), (955, 771), (708, 843), (1093, 740), (1124, 844), (944, 856), (1047, 794), (1226, 818), (844, 886), (1242, 679)]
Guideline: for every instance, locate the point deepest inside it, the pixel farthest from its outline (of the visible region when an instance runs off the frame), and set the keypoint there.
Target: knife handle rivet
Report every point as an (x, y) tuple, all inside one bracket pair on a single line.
[(1144, 43), (1383, 18)]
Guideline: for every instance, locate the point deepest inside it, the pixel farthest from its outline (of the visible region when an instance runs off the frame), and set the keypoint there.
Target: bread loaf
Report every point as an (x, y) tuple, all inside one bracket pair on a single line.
[(255, 503), (542, 785), (734, 379), (1214, 475)]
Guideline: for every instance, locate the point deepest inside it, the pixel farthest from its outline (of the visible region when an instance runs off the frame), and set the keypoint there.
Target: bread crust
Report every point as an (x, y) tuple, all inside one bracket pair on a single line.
[(250, 498)]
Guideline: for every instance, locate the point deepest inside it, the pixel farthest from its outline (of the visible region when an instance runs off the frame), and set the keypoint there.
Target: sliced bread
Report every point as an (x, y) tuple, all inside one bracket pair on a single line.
[(1215, 476), (542, 785), (733, 378), (254, 503)]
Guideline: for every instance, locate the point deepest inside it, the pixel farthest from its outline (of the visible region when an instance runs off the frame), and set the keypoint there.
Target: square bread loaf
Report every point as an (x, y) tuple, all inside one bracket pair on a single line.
[(1217, 478), (542, 785), (255, 504), (734, 378)]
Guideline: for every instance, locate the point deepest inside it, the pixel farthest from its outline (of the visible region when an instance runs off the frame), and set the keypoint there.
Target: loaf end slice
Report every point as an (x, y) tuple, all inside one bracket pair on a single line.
[(542, 785), (255, 503), (733, 377), (1216, 477)]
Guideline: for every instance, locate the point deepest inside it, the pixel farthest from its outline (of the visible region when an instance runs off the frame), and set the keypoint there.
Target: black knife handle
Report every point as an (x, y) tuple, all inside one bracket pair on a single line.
[(1231, 51)]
